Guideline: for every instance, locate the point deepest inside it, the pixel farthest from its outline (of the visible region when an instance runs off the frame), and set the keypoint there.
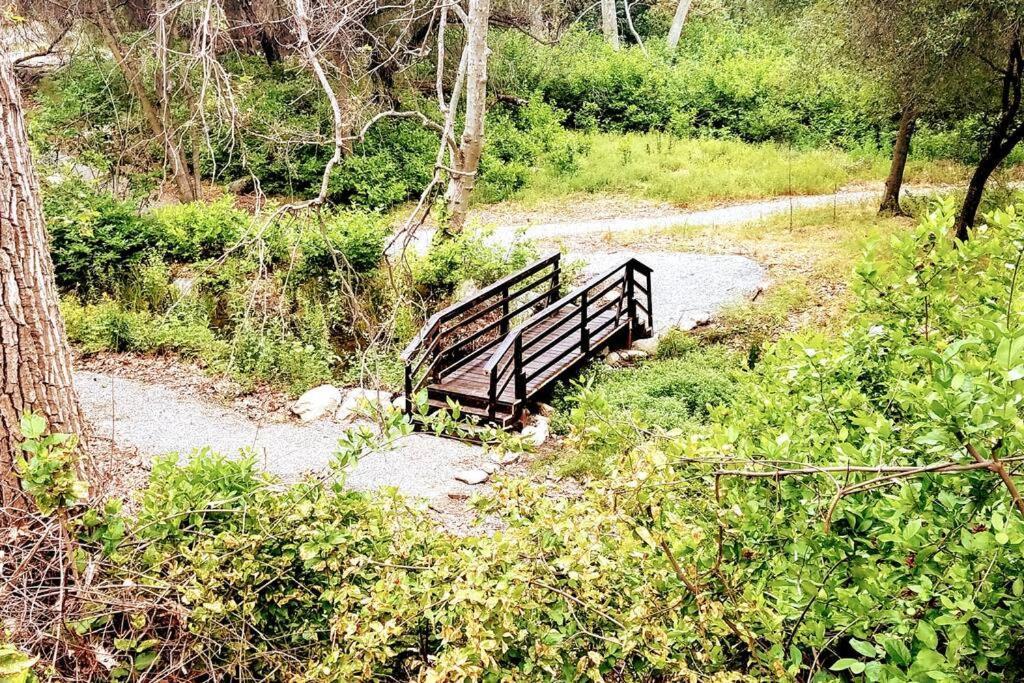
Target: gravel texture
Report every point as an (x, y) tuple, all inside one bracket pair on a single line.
[(155, 419), (688, 288), (548, 227)]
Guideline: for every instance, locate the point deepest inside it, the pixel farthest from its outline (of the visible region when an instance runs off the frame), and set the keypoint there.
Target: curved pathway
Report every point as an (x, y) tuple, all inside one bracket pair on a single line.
[(155, 419)]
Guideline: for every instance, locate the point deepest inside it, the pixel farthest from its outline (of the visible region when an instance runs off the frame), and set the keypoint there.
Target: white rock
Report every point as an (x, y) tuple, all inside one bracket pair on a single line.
[(358, 400), (632, 354), (648, 346), (472, 477), (317, 402), (613, 359), (489, 467), (183, 285), (506, 459), (545, 410), (398, 402), (537, 433)]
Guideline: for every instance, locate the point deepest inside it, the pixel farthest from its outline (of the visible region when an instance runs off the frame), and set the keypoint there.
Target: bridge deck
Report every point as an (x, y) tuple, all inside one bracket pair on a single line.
[(504, 347)]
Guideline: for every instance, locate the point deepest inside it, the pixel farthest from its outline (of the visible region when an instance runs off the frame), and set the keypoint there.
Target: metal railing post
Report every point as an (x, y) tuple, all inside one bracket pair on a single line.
[(584, 329), (492, 394), (517, 362), (556, 281), (630, 302), (504, 312), (650, 305)]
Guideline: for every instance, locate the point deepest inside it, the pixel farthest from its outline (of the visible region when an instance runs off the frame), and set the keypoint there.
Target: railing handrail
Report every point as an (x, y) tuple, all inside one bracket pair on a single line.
[(518, 331), (462, 306)]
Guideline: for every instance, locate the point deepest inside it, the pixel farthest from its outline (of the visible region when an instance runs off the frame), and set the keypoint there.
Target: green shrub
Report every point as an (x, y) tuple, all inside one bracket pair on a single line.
[(283, 359), (198, 230), (340, 241), (470, 257), (95, 239), (107, 326)]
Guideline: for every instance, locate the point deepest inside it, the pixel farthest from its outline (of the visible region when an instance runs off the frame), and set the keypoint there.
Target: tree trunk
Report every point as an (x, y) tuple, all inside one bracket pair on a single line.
[(467, 160), (894, 182), (35, 363), (610, 23), (179, 167), (678, 21), (1006, 134), (975, 189)]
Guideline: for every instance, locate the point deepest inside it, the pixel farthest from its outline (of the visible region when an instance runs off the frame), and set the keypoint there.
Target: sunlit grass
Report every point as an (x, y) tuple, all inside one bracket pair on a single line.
[(695, 172)]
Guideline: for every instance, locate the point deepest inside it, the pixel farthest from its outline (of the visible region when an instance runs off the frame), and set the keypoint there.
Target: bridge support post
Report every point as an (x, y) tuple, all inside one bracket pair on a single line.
[(584, 320), (630, 303), (503, 327)]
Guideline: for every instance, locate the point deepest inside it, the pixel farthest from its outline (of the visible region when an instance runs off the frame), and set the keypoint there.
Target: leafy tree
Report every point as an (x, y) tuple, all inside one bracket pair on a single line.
[(909, 48), (998, 45)]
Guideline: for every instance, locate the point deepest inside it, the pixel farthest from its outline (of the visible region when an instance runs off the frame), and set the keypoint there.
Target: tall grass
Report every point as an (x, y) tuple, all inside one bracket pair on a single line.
[(694, 172)]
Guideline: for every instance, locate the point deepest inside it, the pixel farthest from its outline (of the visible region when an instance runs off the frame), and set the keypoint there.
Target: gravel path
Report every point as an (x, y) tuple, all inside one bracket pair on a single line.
[(155, 419), (689, 288), (731, 214)]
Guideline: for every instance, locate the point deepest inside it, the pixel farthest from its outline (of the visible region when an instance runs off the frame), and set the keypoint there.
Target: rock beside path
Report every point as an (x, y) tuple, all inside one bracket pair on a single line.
[(317, 402)]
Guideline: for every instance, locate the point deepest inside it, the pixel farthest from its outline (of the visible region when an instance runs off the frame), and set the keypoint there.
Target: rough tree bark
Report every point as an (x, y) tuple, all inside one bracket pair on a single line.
[(466, 161), (173, 151), (35, 363), (1007, 133), (610, 23), (894, 182), (678, 21)]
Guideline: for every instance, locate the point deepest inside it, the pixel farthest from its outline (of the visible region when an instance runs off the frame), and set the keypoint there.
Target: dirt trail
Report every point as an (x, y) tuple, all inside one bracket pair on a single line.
[(641, 216)]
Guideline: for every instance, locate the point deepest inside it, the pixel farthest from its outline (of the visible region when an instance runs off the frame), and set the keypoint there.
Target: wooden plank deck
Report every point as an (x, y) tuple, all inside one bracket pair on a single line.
[(499, 350), (472, 381)]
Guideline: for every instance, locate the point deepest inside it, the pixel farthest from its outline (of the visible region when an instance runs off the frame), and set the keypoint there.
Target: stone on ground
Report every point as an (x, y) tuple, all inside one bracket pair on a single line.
[(359, 399), (648, 346), (472, 477), (317, 402), (537, 432)]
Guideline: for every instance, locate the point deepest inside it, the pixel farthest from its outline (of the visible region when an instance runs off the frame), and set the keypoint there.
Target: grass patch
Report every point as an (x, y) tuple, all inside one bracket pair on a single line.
[(697, 171), (609, 410)]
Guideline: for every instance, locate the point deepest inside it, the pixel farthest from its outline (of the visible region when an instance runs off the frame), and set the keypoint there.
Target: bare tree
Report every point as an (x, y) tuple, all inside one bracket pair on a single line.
[(610, 23), (1006, 132), (678, 21), (466, 159), (35, 362)]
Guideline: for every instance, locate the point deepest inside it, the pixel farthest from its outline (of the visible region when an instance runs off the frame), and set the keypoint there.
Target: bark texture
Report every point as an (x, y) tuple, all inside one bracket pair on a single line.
[(894, 182), (610, 23), (35, 363), (466, 161), (678, 21)]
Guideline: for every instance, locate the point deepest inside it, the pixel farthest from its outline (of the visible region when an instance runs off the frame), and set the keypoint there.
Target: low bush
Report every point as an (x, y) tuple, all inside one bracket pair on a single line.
[(196, 231), (469, 257), (95, 239), (607, 410), (341, 241)]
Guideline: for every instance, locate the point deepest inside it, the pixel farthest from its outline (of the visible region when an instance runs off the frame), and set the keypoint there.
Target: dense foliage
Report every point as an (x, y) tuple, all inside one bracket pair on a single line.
[(684, 563)]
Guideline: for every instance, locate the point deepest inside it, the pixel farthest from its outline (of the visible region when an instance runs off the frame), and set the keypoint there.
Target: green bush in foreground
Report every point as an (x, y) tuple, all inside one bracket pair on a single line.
[(682, 565)]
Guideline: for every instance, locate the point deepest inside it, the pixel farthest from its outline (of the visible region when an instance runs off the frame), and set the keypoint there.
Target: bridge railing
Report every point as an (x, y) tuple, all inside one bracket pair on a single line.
[(588, 316), (465, 330)]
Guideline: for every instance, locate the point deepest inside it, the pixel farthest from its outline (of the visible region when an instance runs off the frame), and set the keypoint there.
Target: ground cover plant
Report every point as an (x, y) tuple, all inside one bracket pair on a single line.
[(293, 303), (847, 515), (700, 172)]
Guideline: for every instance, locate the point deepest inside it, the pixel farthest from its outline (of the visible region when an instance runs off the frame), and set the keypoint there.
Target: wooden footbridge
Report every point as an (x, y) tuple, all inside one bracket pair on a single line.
[(504, 347)]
